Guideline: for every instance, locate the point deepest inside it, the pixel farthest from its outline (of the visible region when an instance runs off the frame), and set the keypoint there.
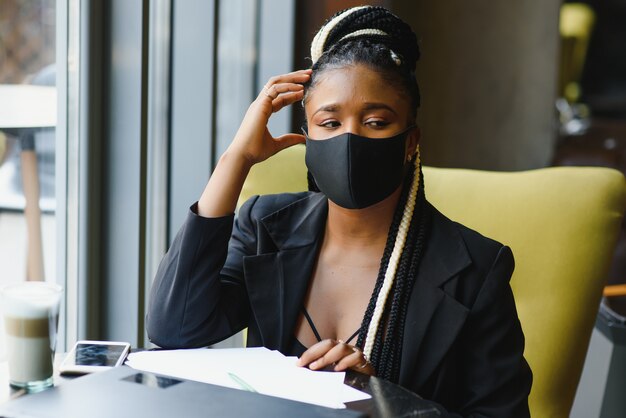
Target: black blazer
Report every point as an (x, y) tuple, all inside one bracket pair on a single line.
[(463, 344)]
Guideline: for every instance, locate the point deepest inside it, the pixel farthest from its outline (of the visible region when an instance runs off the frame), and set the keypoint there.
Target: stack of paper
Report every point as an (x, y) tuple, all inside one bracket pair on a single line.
[(255, 369)]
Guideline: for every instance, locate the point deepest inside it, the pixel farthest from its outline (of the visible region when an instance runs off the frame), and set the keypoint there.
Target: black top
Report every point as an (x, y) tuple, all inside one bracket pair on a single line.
[(296, 348), (463, 343)]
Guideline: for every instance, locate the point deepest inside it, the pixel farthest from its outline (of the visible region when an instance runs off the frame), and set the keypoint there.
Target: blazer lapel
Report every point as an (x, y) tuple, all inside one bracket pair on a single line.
[(278, 280), (278, 277), (263, 275), (433, 317), (297, 269)]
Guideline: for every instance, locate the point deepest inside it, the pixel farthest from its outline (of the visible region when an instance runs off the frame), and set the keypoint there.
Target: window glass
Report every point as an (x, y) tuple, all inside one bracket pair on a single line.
[(28, 119)]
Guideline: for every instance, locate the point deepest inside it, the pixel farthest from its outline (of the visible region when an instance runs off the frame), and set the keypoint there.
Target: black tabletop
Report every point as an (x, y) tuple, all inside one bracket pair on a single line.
[(388, 399)]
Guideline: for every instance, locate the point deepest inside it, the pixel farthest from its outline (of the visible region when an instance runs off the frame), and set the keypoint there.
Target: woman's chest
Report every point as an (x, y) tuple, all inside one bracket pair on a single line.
[(338, 295)]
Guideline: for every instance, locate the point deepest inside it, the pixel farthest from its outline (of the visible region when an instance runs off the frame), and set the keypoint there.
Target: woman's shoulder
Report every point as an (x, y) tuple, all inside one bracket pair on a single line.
[(482, 250), (261, 206), (465, 259)]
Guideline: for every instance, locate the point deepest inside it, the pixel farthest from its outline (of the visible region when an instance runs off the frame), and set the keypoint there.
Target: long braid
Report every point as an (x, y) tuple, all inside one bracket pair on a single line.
[(392, 267), (418, 237), (375, 37), (378, 348), (386, 354), (388, 351), (420, 243), (393, 229)]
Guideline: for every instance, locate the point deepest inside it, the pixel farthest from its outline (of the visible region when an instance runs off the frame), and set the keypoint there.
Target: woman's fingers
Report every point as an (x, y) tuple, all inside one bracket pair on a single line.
[(300, 76), (325, 353), (339, 355), (285, 85), (286, 99), (288, 140), (253, 140), (356, 361), (276, 90), (315, 352), (332, 356), (279, 95)]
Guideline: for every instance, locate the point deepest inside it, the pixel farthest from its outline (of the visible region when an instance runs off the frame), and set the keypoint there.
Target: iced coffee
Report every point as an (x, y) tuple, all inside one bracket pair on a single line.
[(30, 311)]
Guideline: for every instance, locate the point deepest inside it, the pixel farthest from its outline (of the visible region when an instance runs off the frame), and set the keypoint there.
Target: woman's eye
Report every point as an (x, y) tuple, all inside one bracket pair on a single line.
[(329, 124), (376, 123)]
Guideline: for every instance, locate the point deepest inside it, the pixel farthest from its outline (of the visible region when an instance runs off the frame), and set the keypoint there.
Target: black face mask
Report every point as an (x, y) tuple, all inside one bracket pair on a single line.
[(355, 171)]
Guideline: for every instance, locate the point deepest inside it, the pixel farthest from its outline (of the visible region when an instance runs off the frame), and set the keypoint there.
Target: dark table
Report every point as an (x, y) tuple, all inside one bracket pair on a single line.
[(388, 400)]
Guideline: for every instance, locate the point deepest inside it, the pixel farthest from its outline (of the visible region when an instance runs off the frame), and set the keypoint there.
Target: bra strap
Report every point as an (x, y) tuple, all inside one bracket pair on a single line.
[(317, 334), (310, 321), (353, 335)]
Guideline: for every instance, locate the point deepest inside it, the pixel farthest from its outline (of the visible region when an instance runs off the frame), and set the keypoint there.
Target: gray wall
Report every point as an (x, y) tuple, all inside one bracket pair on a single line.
[(488, 76)]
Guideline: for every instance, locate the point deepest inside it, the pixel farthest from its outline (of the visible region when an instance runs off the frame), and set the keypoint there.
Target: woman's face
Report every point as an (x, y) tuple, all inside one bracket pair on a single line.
[(358, 100)]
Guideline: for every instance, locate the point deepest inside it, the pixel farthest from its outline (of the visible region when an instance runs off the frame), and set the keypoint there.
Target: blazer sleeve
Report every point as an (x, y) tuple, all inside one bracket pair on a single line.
[(494, 373), (195, 300)]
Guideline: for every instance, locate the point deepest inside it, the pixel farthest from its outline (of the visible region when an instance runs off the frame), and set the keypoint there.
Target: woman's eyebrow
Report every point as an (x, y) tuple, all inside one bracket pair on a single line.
[(376, 105), (334, 107), (327, 108)]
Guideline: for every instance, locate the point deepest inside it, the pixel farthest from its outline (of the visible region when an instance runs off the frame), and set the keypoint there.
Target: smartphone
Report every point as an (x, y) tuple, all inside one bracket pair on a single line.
[(93, 356)]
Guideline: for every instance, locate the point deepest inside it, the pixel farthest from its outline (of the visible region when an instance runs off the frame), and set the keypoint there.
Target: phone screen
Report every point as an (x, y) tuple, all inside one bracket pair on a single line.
[(98, 354)]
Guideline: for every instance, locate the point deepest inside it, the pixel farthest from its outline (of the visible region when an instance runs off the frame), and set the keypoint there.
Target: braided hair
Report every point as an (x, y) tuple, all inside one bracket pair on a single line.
[(375, 37), (372, 36)]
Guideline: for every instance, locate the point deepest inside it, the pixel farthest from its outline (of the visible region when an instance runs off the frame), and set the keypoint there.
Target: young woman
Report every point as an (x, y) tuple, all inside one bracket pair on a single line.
[(361, 272)]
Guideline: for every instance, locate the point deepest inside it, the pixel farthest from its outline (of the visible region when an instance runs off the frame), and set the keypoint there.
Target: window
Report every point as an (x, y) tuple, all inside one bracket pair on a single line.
[(34, 100), (148, 95)]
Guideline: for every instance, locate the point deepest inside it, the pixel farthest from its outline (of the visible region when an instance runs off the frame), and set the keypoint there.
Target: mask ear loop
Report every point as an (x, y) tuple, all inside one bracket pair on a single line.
[(415, 158), (312, 185), (412, 158)]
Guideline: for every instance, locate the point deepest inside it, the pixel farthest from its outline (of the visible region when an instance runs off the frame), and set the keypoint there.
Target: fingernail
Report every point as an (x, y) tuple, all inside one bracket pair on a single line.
[(313, 365)]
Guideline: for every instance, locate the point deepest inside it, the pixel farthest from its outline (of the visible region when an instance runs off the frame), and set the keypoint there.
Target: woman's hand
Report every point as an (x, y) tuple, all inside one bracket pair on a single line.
[(253, 140), (252, 144), (337, 354)]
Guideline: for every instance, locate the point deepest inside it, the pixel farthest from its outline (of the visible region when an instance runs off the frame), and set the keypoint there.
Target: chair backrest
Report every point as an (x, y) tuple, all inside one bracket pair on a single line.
[(282, 173), (562, 225)]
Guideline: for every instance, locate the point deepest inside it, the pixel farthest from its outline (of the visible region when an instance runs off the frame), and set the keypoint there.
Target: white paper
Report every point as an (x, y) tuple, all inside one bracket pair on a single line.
[(266, 371)]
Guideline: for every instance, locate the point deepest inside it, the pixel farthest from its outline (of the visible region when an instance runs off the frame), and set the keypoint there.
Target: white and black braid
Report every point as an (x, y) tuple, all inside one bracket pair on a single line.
[(382, 328), (320, 40), (392, 265), (372, 36), (371, 22)]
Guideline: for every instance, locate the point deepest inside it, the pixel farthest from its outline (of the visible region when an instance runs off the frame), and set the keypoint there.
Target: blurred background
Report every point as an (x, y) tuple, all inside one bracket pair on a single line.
[(27, 58), (150, 92)]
